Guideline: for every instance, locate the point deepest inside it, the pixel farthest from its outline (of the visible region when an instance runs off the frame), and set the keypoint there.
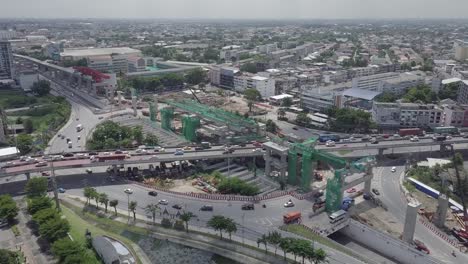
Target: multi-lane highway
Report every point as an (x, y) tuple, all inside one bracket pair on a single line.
[(16, 167)]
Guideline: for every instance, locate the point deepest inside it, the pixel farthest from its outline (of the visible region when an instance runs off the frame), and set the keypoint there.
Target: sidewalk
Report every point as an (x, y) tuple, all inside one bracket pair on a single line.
[(225, 248)]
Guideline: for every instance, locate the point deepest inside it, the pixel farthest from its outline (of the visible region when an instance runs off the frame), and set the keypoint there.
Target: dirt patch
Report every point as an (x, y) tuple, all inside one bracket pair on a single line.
[(368, 213), (184, 186)]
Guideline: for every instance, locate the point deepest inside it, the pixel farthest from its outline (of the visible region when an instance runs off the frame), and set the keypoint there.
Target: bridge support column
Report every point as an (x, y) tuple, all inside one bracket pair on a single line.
[(28, 176), (134, 105), (119, 97), (381, 151), (445, 150), (114, 169), (268, 161), (410, 222), (367, 183), (155, 100), (284, 166), (441, 212)]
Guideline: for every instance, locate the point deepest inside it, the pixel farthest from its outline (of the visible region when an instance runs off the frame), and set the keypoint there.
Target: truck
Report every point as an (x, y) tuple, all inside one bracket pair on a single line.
[(206, 145), (439, 138), (292, 217), (403, 132), (70, 145), (446, 130), (79, 127), (109, 157)]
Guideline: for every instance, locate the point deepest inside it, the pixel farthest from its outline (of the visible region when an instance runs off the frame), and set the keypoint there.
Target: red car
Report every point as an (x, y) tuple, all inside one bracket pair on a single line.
[(45, 173), (352, 190)]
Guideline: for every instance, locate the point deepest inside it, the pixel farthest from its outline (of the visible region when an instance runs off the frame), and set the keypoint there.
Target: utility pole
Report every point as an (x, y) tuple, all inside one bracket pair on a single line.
[(243, 227), (54, 186)]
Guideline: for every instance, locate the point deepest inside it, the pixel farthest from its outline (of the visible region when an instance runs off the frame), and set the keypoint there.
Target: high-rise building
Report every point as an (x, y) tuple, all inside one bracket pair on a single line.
[(6, 61), (461, 49)]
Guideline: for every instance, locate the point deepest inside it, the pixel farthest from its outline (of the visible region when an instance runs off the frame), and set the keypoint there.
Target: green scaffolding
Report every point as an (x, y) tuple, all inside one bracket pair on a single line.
[(167, 114), (292, 166), (189, 127), (152, 112), (334, 195)]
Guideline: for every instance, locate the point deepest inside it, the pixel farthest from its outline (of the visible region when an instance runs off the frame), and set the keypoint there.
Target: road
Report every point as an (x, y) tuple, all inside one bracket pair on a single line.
[(392, 196)]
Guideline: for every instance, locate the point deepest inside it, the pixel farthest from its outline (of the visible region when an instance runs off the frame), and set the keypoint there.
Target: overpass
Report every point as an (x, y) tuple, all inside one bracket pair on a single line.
[(24, 168)]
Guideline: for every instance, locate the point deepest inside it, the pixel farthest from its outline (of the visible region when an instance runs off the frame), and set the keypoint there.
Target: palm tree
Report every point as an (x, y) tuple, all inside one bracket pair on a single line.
[(186, 216), (152, 209), (231, 227), (320, 256), (104, 199), (88, 193), (217, 222), (310, 254), (114, 203), (281, 113), (132, 207), (263, 240), (274, 238), (95, 196), (285, 245)]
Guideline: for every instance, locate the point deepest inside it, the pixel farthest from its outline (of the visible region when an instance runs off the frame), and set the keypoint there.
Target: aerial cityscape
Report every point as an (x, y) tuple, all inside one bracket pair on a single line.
[(236, 132)]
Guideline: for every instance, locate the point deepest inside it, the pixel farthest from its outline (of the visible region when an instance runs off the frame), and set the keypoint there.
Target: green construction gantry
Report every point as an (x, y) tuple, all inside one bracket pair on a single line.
[(190, 123), (309, 157), (167, 114)]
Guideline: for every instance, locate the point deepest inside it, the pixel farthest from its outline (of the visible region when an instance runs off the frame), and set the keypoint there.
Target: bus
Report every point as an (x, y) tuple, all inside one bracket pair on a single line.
[(327, 137), (446, 130), (337, 216), (109, 157)]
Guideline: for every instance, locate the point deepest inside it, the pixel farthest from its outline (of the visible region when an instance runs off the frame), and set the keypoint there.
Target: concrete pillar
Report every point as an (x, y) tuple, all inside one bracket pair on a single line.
[(119, 97), (114, 169), (380, 155), (155, 100), (441, 212), (367, 183), (410, 221), (268, 161), (28, 176), (134, 105), (284, 165)]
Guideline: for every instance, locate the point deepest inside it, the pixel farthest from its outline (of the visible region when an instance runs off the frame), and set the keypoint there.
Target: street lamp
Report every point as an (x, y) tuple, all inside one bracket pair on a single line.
[(128, 204)]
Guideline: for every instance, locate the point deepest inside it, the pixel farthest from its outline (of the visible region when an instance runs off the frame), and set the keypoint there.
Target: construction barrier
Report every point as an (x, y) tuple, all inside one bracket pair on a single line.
[(439, 233)]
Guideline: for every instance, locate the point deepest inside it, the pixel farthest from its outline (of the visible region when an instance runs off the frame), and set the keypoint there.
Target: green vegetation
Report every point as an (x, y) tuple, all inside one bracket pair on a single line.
[(15, 230), (449, 91), (425, 175), (409, 187), (110, 135), (16, 99), (71, 63), (350, 120), (154, 84), (8, 208), (303, 119), (387, 97), (249, 67), (37, 204), (221, 223), (36, 187), (9, 257), (41, 88), (304, 232), (235, 185), (68, 251), (195, 76), (287, 102), (271, 126), (420, 93)]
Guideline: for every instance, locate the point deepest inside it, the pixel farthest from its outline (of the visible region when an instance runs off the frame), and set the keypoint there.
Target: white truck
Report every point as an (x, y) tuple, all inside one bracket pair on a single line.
[(79, 127)]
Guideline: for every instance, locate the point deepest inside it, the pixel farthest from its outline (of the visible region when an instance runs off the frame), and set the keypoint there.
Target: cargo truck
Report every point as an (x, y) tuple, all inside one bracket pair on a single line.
[(410, 132), (292, 217)]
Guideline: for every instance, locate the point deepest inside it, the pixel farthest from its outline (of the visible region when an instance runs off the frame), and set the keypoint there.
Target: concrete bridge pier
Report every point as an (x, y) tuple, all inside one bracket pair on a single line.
[(381, 153), (28, 176), (410, 221)]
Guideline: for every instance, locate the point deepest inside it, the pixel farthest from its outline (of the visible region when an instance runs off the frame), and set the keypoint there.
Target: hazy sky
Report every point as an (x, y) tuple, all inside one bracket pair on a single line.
[(251, 9)]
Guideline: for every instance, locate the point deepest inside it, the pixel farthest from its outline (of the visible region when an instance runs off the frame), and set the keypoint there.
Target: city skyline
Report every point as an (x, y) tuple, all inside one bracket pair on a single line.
[(241, 9)]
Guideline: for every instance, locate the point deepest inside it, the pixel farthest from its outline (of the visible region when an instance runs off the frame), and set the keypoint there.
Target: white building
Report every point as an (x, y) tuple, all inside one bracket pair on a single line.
[(395, 115), (27, 79), (461, 49), (399, 85), (265, 85), (372, 82)]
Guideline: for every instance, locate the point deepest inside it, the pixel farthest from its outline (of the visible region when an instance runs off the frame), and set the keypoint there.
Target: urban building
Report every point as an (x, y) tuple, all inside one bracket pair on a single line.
[(396, 115), (112, 251), (229, 53), (52, 50), (226, 77), (136, 64), (27, 79), (461, 49), (6, 61), (8, 34), (462, 97), (372, 82), (265, 85), (455, 115), (267, 48), (77, 54), (321, 98), (399, 85)]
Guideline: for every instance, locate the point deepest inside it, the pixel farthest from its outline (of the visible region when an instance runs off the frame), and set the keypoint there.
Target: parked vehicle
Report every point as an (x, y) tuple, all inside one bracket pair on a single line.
[(318, 205), (410, 132), (152, 193), (330, 143), (337, 216), (375, 191), (248, 206), (163, 202), (206, 145), (289, 204), (206, 208), (292, 217), (177, 206), (128, 191), (79, 127)]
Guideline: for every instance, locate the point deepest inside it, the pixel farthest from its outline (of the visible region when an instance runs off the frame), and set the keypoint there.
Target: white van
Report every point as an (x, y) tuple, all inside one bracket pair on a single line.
[(337, 216)]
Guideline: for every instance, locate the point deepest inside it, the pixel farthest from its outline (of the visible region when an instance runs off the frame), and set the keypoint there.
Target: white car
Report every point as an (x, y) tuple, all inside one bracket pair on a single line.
[(414, 139), (393, 169), (448, 137), (128, 191), (163, 202), (289, 204), (330, 143)]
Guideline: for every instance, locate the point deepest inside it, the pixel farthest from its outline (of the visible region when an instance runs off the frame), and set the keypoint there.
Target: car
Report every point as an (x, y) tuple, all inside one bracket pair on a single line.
[(257, 150), (24, 158), (248, 206), (78, 138), (152, 193), (68, 154), (118, 152), (177, 206), (375, 142), (295, 128), (465, 136), (393, 169), (89, 171), (77, 118), (375, 191), (289, 204), (448, 137), (198, 148), (41, 164), (61, 190), (179, 152), (163, 202), (206, 208), (62, 137), (141, 151), (101, 117), (93, 153), (128, 191), (351, 190), (187, 148), (414, 139), (45, 173), (106, 153)]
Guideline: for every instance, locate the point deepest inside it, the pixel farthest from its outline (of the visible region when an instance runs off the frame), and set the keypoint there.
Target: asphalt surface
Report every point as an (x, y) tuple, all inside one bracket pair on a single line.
[(394, 199)]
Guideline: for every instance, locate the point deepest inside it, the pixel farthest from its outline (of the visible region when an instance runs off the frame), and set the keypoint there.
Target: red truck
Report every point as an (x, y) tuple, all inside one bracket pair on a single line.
[(410, 132), (292, 217)]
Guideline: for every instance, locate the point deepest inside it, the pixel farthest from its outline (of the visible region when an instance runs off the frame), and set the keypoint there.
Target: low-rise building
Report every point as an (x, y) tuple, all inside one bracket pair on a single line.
[(396, 115), (462, 97), (27, 79), (399, 85), (372, 82), (322, 98), (455, 115), (112, 251)]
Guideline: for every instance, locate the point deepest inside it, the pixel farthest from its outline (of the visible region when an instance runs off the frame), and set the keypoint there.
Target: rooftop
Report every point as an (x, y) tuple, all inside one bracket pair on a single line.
[(8, 151), (259, 78), (361, 93), (98, 51), (450, 80)]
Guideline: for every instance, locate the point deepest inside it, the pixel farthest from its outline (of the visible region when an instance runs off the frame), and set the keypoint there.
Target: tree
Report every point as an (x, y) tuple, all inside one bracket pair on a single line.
[(421, 93), (250, 105), (95, 196), (249, 67), (132, 207), (8, 257), (349, 120), (263, 240), (54, 229), (271, 126), (449, 91), (37, 204), (387, 97), (218, 223), (274, 238), (287, 102), (195, 76), (151, 139), (28, 126), (36, 187), (25, 143), (285, 245), (138, 134), (320, 256), (65, 247), (281, 113), (114, 203), (44, 215), (231, 227), (41, 88), (252, 94), (104, 199), (152, 209), (8, 208), (89, 192), (303, 119), (186, 217)]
